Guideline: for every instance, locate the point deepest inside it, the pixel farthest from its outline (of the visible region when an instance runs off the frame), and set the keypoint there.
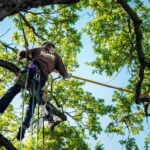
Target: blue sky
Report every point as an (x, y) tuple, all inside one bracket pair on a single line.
[(85, 71)]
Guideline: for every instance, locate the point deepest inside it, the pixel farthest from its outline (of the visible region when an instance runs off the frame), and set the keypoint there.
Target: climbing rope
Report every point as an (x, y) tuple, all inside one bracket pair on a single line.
[(35, 93), (37, 130), (33, 103), (35, 100), (24, 95), (26, 82), (43, 136), (38, 101), (24, 35)]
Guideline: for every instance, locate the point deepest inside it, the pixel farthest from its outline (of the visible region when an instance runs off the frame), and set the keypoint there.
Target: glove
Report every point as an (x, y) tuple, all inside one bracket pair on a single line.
[(68, 76)]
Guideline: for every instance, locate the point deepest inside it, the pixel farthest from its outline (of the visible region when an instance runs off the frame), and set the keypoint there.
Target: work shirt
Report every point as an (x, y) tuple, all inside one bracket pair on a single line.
[(48, 60)]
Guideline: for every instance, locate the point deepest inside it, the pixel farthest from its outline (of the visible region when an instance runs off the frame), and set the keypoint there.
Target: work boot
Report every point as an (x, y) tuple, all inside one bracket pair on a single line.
[(20, 134)]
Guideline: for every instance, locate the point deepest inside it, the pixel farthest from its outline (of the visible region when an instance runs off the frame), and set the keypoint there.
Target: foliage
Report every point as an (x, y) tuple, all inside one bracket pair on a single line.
[(112, 33), (130, 144), (99, 146)]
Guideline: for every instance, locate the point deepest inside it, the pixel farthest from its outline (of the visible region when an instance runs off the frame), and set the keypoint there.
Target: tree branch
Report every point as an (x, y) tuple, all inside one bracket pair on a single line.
[(6, 143), (11, 7), (10, 66), (8, 46), (139, 47)]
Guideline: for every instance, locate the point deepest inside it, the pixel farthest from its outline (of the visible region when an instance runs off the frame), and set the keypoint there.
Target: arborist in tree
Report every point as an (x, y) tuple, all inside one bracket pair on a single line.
[(44, 60)]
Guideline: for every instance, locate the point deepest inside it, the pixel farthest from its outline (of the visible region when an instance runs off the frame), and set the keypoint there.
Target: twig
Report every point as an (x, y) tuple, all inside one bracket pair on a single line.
[(32, 28), (5, 32), (8, 46)]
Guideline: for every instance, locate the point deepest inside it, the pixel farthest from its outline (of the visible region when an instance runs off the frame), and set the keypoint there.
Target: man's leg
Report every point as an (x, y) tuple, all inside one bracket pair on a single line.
[(32, 101), (8, 96), (31, 104), (30, 111), (27, 119)]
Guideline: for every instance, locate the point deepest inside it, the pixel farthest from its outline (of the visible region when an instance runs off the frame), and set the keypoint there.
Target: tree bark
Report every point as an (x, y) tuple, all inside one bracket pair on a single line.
[(11, 7), (10, 66), (6, 143), (139, 47)]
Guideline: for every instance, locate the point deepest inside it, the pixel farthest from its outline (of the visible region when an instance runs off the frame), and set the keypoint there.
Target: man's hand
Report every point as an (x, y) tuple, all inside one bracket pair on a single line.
[(68, 76)]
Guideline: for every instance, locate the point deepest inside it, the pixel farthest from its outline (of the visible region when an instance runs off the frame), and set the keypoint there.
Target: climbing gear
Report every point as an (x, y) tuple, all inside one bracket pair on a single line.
[(31, 81), (21, 134), (35, 80), (26, 80), (24, 35)]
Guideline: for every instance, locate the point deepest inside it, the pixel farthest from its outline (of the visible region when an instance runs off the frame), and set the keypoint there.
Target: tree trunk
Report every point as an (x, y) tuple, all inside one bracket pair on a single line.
[(11, 7)]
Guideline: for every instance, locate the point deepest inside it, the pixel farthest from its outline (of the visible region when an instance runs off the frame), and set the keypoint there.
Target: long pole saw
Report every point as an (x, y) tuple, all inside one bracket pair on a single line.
[(102, 84), (108, 86)]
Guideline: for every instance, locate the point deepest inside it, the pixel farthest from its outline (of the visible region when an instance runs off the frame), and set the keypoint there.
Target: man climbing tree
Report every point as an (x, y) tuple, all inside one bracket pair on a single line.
[(44, 60)]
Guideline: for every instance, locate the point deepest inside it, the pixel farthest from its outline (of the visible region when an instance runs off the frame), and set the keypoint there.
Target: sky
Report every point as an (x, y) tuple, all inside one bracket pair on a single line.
[(85, 71)]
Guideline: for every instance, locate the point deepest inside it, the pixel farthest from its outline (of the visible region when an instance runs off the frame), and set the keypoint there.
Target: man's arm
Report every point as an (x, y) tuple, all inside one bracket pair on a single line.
[(28, 54), (60, 67)]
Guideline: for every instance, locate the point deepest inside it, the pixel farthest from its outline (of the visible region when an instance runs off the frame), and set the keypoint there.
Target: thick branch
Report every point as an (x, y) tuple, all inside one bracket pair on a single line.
[(6, 143), (52, 126), (139, 84), (11, 7), (129, 11), (57, 112), (139, 48), (10, 66)]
